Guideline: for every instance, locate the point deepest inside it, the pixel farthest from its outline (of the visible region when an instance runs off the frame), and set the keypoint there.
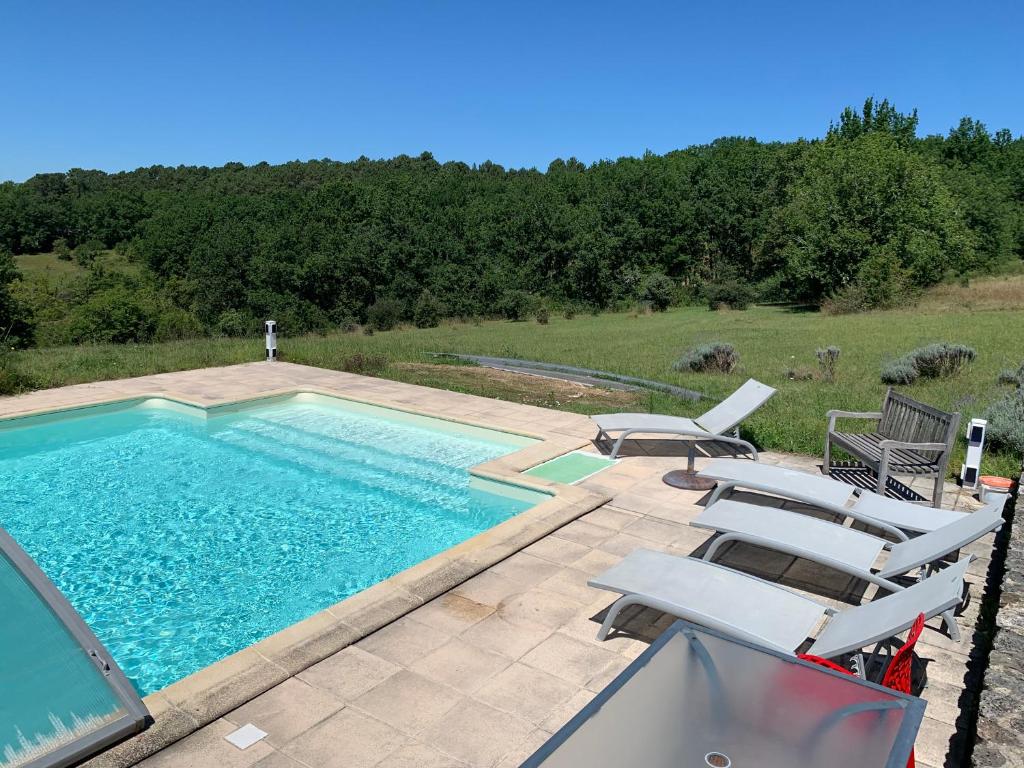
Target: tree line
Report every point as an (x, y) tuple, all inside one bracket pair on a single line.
[(856, 220)]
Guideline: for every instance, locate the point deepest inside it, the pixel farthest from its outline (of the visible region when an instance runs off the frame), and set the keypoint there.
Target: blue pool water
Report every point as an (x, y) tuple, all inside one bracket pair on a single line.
[(181, 539)]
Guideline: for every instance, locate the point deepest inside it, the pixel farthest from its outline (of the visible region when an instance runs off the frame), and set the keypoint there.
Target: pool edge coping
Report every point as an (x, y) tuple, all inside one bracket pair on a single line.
[(189, 704)]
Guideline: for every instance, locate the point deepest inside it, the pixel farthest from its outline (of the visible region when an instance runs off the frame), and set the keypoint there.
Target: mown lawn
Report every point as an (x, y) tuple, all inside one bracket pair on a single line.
[(769, 340)]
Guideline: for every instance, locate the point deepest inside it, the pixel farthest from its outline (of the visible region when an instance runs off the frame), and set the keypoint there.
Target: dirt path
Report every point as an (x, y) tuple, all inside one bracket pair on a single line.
[(522, 388)]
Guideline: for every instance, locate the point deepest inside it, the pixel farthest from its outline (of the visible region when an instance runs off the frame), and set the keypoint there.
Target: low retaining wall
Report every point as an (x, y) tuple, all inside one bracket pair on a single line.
[(999, 732)]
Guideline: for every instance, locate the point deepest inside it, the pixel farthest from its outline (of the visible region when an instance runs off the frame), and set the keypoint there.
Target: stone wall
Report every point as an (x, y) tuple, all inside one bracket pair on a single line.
[(1000, 725)]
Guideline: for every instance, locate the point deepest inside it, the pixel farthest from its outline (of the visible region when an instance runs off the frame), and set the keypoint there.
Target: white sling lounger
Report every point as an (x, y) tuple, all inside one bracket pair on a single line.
[(827, 494), (759, 612), (712, 425), (844, 549)]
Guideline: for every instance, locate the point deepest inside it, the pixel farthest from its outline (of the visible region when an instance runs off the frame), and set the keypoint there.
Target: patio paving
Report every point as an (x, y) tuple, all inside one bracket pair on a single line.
[(482, 675)]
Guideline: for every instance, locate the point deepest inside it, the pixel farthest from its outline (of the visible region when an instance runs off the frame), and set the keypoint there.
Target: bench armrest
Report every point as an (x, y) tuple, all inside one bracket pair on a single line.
[(833, 415)]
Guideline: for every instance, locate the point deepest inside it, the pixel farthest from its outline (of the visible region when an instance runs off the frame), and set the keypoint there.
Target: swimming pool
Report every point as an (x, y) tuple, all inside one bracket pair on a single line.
[(182, 536)]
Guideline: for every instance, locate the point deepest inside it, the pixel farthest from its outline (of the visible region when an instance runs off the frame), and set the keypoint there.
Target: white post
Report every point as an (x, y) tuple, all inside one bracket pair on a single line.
[(971, 467), (271, 328)]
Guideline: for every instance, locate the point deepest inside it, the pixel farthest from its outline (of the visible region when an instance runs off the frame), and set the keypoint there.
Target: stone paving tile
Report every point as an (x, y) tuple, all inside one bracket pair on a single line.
[(452, 613), (571, 583), (461, 665), (531, 744), (557, 550), (942, 664), (497, 635), (584, 533), (944, 701), (419, 756), (278, 760), (408, 701), (403, 641), (653, 530), (562, 714), (600, 681), (526, 692), (525, 568), (571, 659), (594, 562), (349, 673), (207, 747), (932, 742), (606, 517), (286, 710), (539, 608), (621, 544), (478, 734), (347, 739), (489, 588)]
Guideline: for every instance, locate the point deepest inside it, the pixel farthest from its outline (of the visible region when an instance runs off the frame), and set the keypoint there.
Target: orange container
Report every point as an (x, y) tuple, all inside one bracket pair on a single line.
[(992, 486)]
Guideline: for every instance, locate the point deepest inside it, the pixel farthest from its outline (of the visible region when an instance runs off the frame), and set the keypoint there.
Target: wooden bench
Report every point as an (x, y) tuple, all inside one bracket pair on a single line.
[(911, 439)]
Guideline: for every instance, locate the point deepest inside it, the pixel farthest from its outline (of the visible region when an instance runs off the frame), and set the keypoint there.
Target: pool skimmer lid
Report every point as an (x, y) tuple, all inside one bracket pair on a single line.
[(246, 736)]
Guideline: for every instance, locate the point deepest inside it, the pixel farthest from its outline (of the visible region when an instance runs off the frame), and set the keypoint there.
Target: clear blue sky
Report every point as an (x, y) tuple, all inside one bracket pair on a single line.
[(118, 85)]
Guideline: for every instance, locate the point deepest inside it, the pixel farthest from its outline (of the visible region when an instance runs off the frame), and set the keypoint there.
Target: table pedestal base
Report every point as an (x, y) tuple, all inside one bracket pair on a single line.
[(688, 480)]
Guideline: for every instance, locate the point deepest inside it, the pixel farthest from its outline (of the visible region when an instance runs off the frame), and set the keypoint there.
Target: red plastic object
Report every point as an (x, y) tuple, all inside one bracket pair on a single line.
[(897, 676), (824, 663)]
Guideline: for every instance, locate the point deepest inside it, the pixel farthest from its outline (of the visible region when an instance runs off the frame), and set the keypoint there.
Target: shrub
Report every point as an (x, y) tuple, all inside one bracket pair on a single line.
[(86, 253), (17, 308), (881, 280), (935, 361), (1013, 378), (900, 371), (515, 305), (939, 361), (658, 291), (828, 362), (569, 312), (236, 323), (543, 316), (384, 314), (733, 294), (116, 316), (366, 365), (712, 357), (1006, 422), (61, 249), (348, 325), (880, 283), (174, 323), (428, 311), (12, 381)]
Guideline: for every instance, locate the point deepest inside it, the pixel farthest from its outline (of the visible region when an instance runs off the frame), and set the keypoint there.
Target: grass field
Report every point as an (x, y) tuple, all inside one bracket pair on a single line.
[(989, 316), (49, 267)]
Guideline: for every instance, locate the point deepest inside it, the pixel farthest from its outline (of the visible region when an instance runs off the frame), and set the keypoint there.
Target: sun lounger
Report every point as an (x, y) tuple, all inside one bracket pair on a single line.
[(759, 612), (713, 425), (844, 549), (825, 493)]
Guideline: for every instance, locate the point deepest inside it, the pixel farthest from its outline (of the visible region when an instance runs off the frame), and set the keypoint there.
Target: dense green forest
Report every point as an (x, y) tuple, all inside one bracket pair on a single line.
[(859, 219)]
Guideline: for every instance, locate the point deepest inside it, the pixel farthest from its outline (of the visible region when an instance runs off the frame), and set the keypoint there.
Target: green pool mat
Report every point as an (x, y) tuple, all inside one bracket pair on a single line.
[(570, 468)]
